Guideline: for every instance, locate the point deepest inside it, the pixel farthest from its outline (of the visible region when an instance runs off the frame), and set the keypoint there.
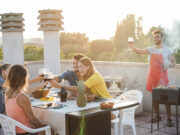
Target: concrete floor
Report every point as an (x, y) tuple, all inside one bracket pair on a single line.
[(143, 126)]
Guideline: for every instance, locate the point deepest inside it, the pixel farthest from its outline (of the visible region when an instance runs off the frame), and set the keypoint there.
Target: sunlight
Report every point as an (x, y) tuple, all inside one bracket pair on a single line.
[(98, 19)]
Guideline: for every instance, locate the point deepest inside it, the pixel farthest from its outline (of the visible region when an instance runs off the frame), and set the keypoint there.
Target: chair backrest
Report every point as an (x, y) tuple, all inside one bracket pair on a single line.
[(7, 125), (131, 95)]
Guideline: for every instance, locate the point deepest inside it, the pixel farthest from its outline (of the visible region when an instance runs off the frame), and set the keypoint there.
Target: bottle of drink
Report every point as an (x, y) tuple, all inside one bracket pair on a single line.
[(63, 93)]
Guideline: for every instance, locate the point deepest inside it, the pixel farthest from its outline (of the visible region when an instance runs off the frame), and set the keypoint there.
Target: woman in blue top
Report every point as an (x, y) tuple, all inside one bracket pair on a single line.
[(4, 69)]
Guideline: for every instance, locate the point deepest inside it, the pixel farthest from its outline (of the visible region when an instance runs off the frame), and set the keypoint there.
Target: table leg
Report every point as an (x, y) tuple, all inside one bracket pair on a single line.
[(158, 115), (152, 117), (177, 119)]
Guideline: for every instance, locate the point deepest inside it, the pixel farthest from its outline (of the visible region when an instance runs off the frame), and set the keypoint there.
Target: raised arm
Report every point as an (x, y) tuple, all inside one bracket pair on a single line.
[(56, 78), (37, 79), (30, 90), (70, 88), (137, 50)]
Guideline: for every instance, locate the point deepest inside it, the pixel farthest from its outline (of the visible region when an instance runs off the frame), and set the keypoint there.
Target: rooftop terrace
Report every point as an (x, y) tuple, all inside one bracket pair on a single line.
[(143, 126)]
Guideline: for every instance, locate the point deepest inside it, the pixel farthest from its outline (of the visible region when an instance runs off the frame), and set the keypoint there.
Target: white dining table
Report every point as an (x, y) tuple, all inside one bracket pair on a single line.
[(56, 117)]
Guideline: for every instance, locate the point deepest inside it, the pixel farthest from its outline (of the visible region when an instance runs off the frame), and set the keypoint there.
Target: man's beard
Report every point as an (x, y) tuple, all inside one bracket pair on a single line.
[(158, 43)]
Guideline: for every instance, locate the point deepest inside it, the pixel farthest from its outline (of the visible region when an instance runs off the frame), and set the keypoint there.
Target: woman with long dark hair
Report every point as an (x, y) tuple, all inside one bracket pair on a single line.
[(18, 105)]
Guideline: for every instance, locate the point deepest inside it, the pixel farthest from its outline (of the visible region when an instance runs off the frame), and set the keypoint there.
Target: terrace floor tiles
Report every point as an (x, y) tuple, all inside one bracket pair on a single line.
[(143, 126)]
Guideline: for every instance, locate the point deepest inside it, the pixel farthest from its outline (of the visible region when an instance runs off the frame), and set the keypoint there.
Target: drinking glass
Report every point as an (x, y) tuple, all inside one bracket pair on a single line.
[(130, 42), (41, 72)]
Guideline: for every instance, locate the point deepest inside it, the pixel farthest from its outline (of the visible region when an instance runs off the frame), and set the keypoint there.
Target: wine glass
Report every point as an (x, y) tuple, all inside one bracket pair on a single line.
[(130, 42), (41, 72)]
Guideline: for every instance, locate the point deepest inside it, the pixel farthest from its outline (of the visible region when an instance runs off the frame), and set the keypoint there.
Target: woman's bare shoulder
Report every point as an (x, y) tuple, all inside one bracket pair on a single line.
[(23, 99)]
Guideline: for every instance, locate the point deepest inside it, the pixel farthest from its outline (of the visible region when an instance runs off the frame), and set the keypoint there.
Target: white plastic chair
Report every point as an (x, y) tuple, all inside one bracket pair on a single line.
[(9, 126), (126, 116)]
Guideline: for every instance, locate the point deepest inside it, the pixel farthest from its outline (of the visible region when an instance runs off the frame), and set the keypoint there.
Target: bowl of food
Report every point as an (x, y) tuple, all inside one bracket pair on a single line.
[(107, 105), (90, 97), (41, 93)]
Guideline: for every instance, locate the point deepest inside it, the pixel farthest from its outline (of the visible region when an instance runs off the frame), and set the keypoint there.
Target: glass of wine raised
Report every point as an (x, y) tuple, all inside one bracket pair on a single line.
[(48, 76), (130, 42), (41, 72)]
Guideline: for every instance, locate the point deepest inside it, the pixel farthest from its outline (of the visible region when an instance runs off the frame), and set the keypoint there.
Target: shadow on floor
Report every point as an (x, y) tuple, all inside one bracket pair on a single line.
[(143, 126)]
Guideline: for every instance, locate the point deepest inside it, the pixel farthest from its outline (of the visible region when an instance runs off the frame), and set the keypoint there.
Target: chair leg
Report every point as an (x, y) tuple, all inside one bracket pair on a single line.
[(47, 132), (121, 129), (134, 128), (116, 128), (1, 131), (112, 131)]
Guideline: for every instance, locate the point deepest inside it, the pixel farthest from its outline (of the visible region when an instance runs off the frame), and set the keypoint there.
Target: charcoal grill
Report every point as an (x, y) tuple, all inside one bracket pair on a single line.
[(166, 96)]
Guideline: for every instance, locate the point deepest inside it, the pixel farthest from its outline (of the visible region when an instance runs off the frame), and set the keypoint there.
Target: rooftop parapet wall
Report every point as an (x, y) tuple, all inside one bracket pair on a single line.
[(12, 22), (134, 74), (50, 20)]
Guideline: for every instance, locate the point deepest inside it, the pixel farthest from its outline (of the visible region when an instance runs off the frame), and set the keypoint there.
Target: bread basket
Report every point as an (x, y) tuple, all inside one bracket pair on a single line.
[(107, 105), (90, 97)]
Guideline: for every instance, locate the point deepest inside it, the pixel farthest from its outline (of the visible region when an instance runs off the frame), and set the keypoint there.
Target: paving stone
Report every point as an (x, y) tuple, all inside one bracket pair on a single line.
[(143, 126)]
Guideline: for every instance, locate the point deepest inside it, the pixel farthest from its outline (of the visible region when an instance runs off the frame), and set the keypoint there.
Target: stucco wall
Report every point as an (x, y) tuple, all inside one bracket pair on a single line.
[(133, 73)]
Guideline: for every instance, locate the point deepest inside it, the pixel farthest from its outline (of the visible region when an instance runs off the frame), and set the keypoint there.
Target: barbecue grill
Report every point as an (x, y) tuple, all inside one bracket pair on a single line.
[(166, 96)]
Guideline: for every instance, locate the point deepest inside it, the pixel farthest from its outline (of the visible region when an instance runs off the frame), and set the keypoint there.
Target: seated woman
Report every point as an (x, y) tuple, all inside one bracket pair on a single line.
[(93, 80), (4, 69), (18, 105)]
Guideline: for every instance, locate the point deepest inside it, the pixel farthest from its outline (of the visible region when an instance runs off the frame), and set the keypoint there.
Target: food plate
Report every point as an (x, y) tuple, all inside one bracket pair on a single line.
[(49, 106)]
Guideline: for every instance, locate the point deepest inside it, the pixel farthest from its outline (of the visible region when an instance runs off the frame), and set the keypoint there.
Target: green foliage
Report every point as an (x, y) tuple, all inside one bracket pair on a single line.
[(130, 56), (129, 27), (81, 87), (124, 29), (106, 56), (177, 56), (73, 38), (32, 53), (98, 47), (72, 43), (70, 49)]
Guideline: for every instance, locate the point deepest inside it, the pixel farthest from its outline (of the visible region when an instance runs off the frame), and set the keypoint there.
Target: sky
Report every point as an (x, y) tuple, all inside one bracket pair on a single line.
[(96, 18)]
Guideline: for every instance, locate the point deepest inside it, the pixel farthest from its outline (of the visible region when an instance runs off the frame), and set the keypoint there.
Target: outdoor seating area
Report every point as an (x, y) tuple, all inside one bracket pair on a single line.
[(143, 126), (142, 120), (67, 83)]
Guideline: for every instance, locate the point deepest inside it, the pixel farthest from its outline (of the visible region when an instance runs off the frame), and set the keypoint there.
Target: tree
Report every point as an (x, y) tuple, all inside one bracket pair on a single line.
[(129, 27), (33, 53), (97, 47), (73, 38), (124, 30)]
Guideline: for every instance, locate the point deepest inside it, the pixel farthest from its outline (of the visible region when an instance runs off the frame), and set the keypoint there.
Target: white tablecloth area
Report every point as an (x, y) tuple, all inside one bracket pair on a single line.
[(56, 117)]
